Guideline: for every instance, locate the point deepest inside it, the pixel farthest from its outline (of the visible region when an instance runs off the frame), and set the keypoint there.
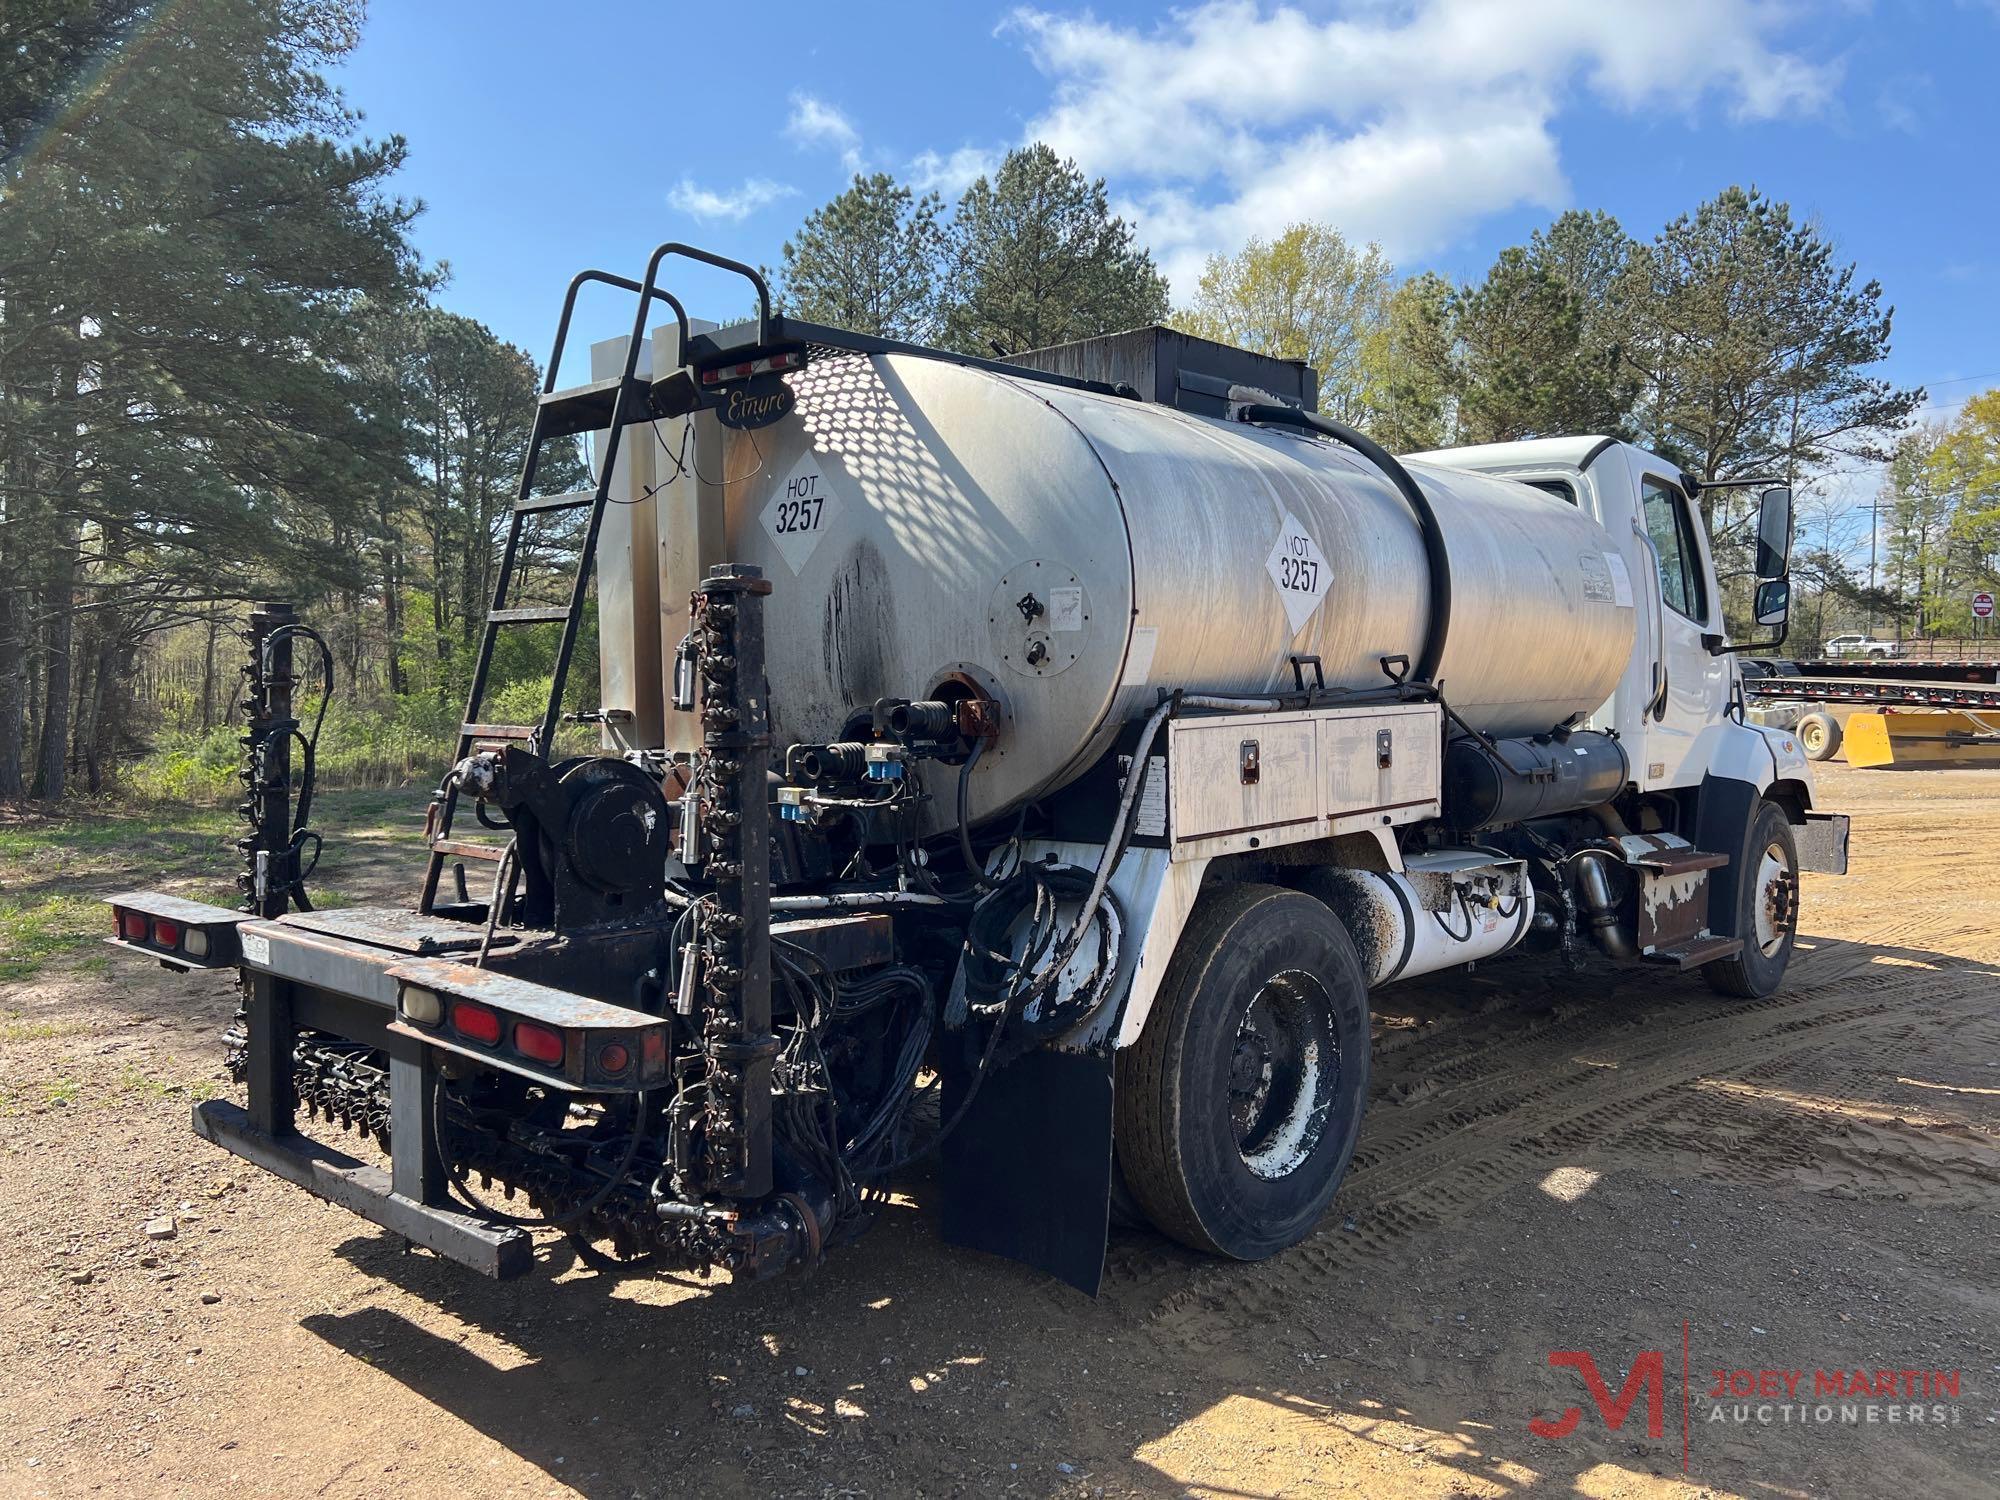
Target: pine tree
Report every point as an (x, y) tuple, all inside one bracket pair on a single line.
[(1038, 258), (869, 261), (187, 228)]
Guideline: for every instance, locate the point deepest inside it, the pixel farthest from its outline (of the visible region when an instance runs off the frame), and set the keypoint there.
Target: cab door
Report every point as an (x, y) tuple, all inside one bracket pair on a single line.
[(1695, 691)]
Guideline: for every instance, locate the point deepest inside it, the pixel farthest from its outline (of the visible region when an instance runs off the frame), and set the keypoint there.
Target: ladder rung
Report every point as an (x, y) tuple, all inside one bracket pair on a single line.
[(574, 500), (466, 849), (535, 616), (587, 408), (499, 731)]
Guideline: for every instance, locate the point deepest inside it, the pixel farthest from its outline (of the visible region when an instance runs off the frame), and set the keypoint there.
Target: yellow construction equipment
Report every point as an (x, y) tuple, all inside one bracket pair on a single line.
[(1924, 738)]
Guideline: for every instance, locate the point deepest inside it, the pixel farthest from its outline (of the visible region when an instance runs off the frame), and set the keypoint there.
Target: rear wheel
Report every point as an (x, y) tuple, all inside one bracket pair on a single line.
[(1767, 910), (1819, 735), (1239, 1105)]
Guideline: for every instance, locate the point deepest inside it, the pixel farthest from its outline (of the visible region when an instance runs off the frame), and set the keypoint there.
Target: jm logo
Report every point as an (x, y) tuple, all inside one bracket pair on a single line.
[(1648, 1374)]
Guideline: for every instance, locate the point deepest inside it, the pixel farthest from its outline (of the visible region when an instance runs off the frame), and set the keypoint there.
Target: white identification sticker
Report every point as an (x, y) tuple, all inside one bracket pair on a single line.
[(1299, 569), (1065, 609), (256, 947), (1621, 581), (802, 510), (1139, 660)]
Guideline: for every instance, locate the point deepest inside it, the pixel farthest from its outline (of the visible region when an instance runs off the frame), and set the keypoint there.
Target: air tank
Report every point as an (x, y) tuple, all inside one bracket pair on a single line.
[(1071, 555)]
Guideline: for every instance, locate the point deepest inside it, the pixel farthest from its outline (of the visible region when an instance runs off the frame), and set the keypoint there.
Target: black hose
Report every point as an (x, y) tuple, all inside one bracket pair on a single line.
[(1439, 626)]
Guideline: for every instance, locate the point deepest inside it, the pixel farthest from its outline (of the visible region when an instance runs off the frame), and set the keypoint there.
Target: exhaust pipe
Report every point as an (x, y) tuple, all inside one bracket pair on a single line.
[(1593, 886)]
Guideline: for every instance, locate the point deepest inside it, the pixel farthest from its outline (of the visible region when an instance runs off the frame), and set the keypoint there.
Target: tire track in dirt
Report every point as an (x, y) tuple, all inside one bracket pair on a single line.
[(1494, 1107)]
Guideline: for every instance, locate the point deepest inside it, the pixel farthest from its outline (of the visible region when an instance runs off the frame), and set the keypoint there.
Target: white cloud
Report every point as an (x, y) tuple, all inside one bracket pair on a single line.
[(953, 173), (730, 205), (1402, 124), (814, 122)]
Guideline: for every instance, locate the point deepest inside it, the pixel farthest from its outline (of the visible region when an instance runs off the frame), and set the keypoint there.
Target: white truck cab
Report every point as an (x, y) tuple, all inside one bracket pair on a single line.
[(1673, 706)]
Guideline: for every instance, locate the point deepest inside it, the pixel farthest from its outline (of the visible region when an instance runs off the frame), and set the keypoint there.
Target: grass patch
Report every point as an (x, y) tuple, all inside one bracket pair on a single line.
[(34, 931), (160, 1083), (14, 1027)]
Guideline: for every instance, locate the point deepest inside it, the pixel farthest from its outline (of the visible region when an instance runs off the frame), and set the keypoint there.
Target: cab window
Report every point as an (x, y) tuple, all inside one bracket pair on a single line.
[(1672, 532)]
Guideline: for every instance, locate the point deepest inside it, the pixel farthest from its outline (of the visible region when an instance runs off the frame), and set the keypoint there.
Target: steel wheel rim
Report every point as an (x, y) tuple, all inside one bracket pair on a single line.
[(1777, 900), (1283, 1073), (1813, 735)]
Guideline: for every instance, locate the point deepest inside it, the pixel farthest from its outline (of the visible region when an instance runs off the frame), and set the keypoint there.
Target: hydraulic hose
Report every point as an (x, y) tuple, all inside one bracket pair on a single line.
[(1439, 560)]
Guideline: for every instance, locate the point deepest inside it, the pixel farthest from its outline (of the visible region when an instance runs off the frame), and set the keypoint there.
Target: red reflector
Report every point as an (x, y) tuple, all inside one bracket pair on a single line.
[(653, 1049), (167, 934), (614, 1057), (476, 1022), (132, 926), (539, 1043)]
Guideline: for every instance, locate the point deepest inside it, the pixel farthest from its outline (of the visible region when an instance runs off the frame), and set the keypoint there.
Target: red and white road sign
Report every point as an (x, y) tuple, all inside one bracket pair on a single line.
[(1982, 604)]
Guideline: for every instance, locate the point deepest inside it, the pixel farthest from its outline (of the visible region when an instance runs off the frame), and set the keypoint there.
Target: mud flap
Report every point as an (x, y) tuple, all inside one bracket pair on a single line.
[(1027, 1173), (1722, 826)]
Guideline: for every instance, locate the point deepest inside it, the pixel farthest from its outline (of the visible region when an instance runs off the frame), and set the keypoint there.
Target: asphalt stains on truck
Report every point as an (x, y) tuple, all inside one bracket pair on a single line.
[(860, 617)]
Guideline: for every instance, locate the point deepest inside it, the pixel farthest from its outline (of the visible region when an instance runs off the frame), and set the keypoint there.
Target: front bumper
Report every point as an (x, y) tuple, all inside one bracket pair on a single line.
[(1822, 843)]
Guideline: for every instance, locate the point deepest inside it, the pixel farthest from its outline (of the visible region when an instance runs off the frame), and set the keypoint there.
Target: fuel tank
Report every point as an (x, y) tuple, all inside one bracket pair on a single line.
[(1072, 555)]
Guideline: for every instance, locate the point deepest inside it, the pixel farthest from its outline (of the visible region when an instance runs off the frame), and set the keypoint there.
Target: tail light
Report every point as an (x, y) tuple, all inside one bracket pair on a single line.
[(553, 1036), (421, 1005), (181, 934), (475, 1022), (539, 1043)]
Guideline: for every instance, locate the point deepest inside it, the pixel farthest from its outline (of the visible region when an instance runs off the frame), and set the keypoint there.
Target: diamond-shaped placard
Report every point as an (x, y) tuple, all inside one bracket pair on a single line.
[(801, 511), (1300, 571)]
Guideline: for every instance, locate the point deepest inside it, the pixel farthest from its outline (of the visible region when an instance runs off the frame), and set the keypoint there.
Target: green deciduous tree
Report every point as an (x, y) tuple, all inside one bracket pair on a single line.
[(1308, 294), (1038, 258), (871, 260)]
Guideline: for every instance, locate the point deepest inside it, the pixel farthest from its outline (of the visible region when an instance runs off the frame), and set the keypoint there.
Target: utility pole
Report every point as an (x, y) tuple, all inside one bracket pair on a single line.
[(1875, 508)]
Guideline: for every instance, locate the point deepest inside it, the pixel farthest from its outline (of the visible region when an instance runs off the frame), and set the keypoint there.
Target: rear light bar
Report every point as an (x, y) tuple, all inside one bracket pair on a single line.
[(180, 934), (553, 1035), (774, 362)]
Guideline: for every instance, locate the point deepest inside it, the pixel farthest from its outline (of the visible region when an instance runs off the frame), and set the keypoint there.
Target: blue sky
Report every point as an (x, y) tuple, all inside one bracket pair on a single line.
[(547, 138)]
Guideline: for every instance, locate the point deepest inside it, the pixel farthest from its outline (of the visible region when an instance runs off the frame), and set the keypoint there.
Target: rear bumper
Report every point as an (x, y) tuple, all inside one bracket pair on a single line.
[(495, 1250)]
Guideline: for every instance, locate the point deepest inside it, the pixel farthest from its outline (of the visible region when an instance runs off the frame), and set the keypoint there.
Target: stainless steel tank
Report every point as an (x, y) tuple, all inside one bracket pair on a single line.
[(1074, 554)]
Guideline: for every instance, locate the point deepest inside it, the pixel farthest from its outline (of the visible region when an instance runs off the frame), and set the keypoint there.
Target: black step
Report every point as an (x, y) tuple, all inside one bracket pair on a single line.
[(539, 614), (1703, 950), (499, 731), (588, 408), (574, 500)]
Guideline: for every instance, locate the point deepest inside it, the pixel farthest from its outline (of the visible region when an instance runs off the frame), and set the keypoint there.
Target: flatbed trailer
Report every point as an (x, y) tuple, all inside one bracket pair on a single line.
[(1873, 691), (1902, 669)]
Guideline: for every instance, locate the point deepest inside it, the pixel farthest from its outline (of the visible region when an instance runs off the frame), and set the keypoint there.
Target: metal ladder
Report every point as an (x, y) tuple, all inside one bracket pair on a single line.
[(608, 406)]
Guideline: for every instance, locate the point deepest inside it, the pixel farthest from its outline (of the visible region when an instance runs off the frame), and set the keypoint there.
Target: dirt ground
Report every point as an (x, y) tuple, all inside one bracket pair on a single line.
[(1608, 1165)]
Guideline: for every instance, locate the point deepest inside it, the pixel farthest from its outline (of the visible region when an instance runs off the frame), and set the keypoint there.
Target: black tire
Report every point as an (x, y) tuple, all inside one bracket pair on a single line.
[(1773, 896), (1819, 735), (1231, 1134)]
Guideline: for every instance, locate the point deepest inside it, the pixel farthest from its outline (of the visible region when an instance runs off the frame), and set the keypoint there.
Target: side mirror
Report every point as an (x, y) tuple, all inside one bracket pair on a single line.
[(1774, 602), (1774, 536)]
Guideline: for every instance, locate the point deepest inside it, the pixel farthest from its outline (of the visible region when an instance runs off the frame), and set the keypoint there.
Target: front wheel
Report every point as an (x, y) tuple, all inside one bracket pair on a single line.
[(1767, 910), (1239, 1105)]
